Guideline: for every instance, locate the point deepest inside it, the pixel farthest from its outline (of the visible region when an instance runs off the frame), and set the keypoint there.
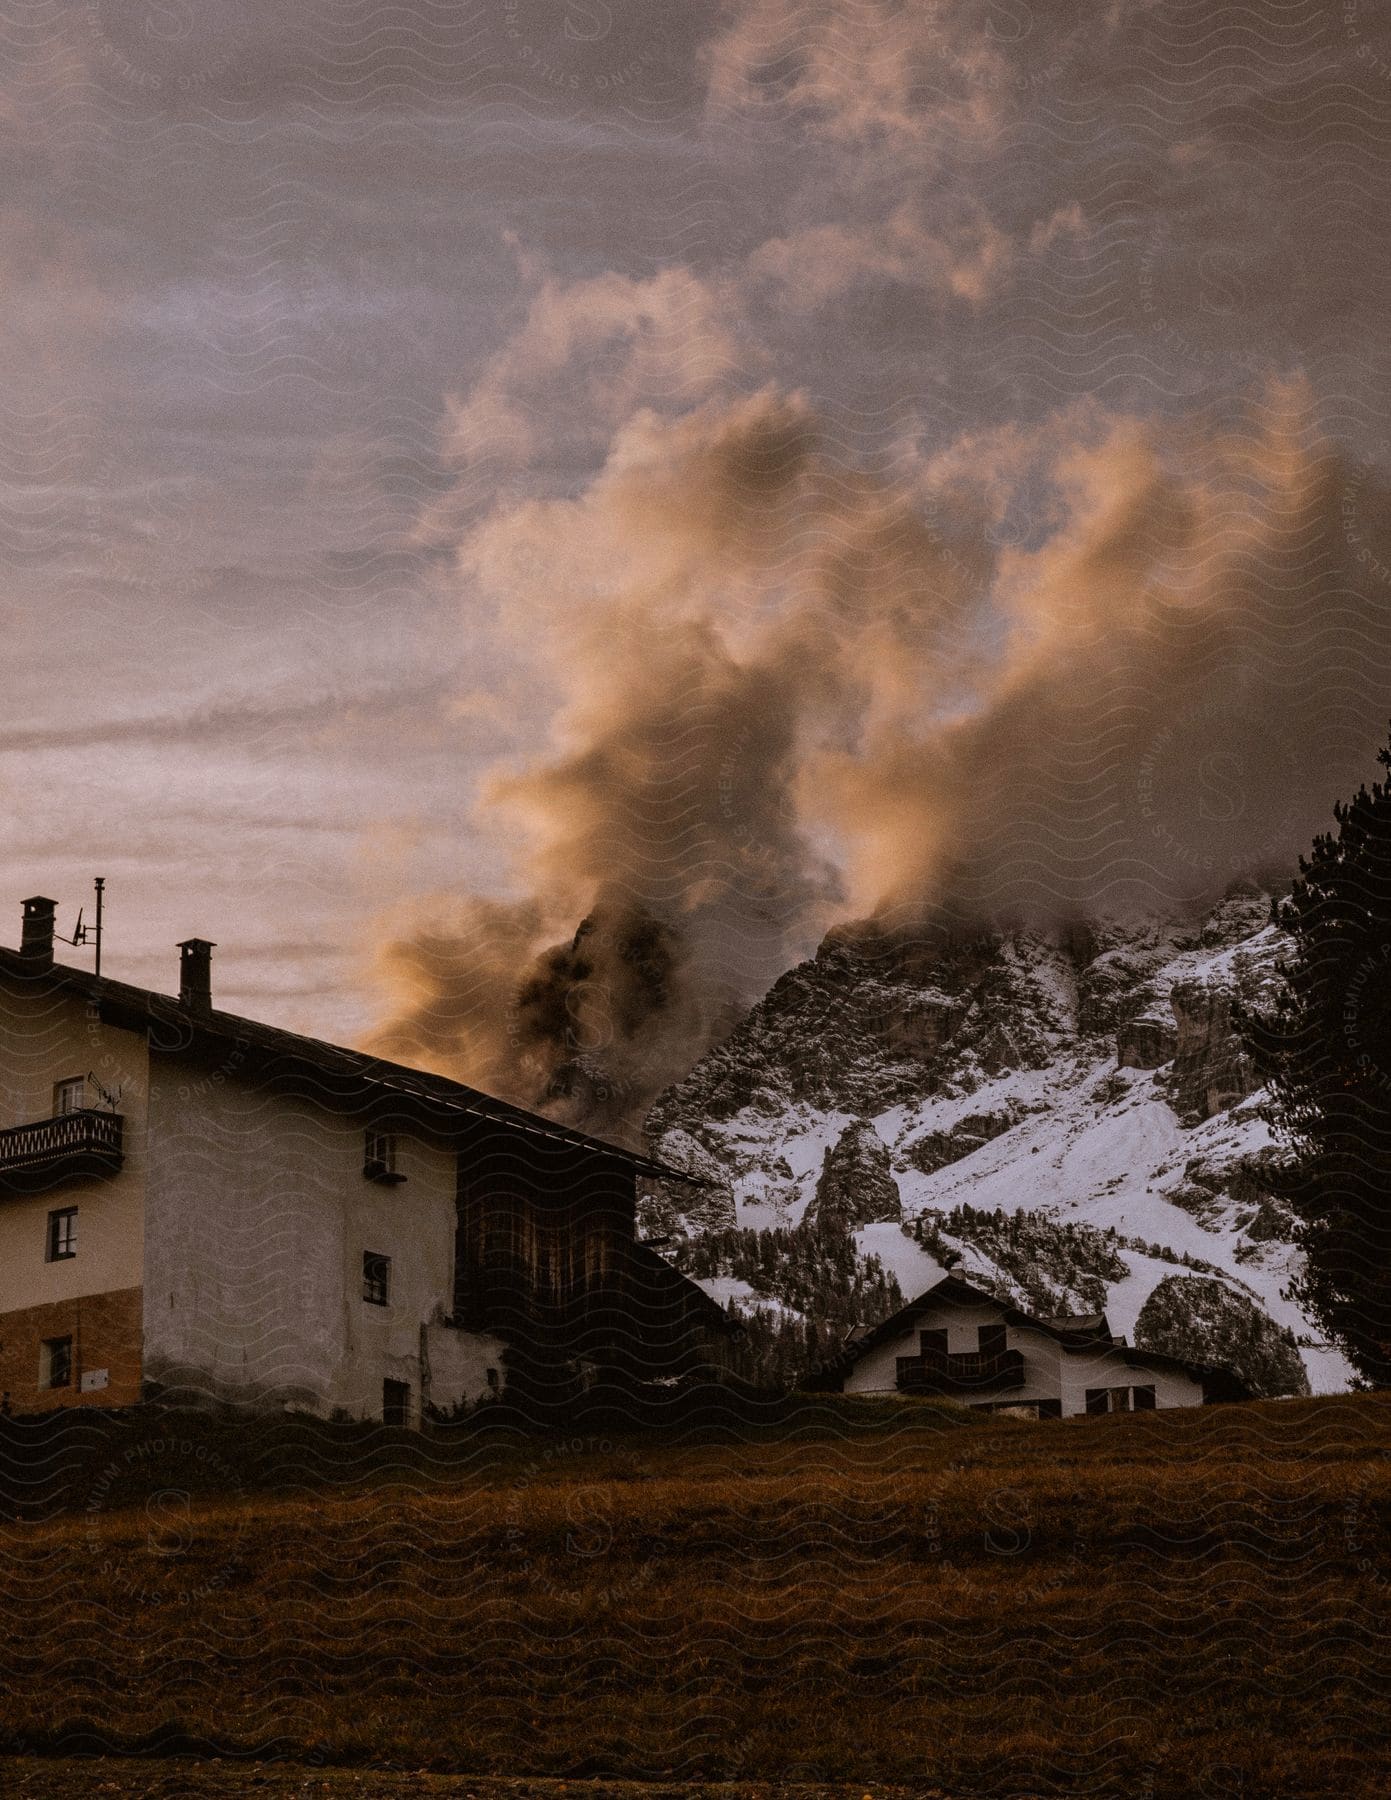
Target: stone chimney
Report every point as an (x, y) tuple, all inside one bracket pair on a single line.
[(36, 945), (196, 974)]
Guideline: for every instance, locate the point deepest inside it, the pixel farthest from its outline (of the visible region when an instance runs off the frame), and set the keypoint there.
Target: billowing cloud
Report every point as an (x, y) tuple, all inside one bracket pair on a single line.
[(1192, 671), (793, 693), (877, 72), (817, 264), (299, 296), (621, 342)]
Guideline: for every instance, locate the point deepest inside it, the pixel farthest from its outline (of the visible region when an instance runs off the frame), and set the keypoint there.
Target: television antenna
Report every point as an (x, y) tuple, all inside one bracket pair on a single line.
[(89, 934), (110, 1100)]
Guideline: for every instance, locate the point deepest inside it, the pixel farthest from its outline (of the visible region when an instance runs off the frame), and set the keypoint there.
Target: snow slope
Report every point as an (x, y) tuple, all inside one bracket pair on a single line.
[(1090, 1077)]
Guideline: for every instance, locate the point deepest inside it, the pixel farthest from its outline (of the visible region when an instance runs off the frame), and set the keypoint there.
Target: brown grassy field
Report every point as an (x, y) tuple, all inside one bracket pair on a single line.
[(896, 1596)]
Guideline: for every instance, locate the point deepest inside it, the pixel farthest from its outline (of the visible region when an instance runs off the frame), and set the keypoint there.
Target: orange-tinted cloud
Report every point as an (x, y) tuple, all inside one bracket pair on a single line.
[(789, 697)]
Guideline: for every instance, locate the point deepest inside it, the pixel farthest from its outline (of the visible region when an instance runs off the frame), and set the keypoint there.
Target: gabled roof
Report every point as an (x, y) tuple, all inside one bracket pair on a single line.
[(1085, 1332), (953, 1290), (335, 1074)]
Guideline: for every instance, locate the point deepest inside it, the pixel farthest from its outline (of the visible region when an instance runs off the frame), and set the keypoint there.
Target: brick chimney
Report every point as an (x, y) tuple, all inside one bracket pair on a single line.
[(196, 974), (36, 945)]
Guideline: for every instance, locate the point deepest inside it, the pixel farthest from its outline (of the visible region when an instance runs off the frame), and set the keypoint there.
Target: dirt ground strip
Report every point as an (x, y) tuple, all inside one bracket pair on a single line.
[(130, 1778)]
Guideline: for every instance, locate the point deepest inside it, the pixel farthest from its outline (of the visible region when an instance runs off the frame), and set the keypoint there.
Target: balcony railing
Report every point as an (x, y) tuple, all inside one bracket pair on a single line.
[(53, 1150), (967, 1373)]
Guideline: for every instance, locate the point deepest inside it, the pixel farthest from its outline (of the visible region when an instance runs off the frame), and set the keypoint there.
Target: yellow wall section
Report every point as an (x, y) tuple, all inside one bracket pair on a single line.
[(44, 1038)]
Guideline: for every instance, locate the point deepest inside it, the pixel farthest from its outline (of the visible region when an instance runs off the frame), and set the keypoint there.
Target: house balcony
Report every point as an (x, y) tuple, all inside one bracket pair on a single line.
[(968, 1373), (52, 1151)]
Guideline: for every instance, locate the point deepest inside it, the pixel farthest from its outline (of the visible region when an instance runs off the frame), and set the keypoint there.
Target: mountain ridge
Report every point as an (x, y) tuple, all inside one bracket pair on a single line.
[(1085, 1077)]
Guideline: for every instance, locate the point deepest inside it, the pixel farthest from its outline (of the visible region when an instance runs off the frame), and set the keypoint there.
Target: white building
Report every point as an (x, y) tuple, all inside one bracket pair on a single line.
[(960, 1343), (195, 1205)]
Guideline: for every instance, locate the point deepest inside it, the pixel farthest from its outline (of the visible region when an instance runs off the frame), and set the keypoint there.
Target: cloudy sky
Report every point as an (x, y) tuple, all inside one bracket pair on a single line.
[(756, 463)]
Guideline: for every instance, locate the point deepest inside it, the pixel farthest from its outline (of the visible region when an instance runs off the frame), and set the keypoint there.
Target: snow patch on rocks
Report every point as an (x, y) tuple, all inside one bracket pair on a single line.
[(1012, 1072)]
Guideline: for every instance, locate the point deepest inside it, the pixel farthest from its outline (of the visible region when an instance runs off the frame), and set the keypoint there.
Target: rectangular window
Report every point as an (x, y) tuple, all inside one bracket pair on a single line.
[(396, 1403), (70, 1095), (55, 1363), (932, 1343), (379, 1157), (1050, 1409), (992, 1340), (1118, 1400), (62, 1234), (1144, 1399), (376, 1277)]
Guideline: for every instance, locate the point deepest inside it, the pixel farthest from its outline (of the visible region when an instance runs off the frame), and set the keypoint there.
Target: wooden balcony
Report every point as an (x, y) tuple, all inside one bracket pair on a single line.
[(52, 1151), (968, 1373)]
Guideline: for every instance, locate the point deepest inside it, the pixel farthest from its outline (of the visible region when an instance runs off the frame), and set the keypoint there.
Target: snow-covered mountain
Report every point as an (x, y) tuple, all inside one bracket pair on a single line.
[(1085, 1084)]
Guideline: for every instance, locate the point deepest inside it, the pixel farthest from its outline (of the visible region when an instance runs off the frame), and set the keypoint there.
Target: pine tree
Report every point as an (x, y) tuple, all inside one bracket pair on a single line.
[(1326, 1053)]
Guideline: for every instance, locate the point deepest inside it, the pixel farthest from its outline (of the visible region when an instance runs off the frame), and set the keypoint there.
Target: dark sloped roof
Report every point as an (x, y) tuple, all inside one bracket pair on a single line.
[(1072, 1333), (336, 1072), (951, 1288), (1091, 1323), (665, 1276)]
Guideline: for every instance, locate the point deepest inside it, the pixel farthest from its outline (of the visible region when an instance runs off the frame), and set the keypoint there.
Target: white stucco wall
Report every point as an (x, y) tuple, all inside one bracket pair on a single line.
[(1050, 1372), (258, 1218), (877, 1372), (44, 1040), (1083, 1369)]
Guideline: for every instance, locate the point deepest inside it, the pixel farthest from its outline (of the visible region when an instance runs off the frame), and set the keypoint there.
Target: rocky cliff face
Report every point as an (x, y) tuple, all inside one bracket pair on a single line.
[(706, 1204), (1194, 1317), (1211, 1072), (1089, 1076), (971, 1008), (856, 1185)]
